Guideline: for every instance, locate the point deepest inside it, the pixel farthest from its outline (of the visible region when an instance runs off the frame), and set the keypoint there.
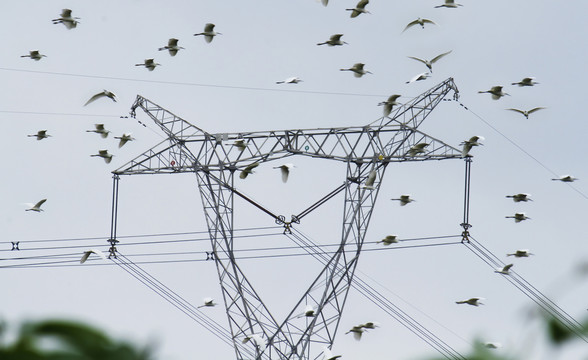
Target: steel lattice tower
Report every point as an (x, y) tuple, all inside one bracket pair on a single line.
[(366, 150)]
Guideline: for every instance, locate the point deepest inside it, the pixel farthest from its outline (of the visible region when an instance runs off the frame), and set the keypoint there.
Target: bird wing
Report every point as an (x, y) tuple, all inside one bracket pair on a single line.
[(371, 178), (85, 256), (412, 23), (507, 267), (285, 172), (362, 4), (65, 13), (149, 62), (416, 58), (358, 66), (440, 56), (99, 127), (41, 202), (535, 109), (172, 42), (209, 27), (94, 98), (336, 37), (325, 2), (428, 21), (208, 38)]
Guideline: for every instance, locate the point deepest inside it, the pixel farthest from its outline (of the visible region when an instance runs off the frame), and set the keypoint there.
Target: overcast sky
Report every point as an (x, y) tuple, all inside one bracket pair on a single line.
[(229, 85)]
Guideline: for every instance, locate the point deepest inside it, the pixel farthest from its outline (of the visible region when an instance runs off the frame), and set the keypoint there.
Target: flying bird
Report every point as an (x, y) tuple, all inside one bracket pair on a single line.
[(87, 254), (291, 80), (334, 40), (105, 93), (357, 70), (36, 207), (124, 138), (371, 179), (389, 239), (209, 32), (285, 169), (449, 4), (172, 47), (518, 217), (359, 8), (504, 270), (389, 104), (528, 81), (417, 149), (357, 331), (420, 22), (475, 301), (429, 63), (495, 91), (105, 155), (521, 253), (40, 135), (99, 129), (35, 55), (492, 345), (419, 77), (467, 145), (66, 19), (308, 311), (255, 339), (248, 170), (526, 113), (566, 178), (520, 197), (149, 64), (208, 302), (328, 355), (240, 144), (404, 199)]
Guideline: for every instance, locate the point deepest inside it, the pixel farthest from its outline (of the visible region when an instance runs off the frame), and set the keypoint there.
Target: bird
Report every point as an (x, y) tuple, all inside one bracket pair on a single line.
[(248, 170), (359, 8), (66, 19), (518, 217), (404, 199), (308, 311), (417, 149), (357, 70), (469, 144), (40, 135), (419, 77), (291, 80), (255, 339), (124, 138), (449, 4), (520, 197), (105, 93), (475, 301), (105, 155), (209, 32), (334, 40), (496, 92), (429, 63), (149, 64), (389, 104), (87, 254), (207, 302), (36, 207), (285, 169), (528, 81), (521, 253), (492, 345), (420, 22), (328, 355), (100, 130), (504, 270), (566, 178), (357, 331), (240, 144), (370, 180), (389, 239), (526, 113), (35, 55), (172, 47)]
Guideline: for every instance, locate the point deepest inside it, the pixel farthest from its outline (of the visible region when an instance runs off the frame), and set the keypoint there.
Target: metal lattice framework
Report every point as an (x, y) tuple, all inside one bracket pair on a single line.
[(214, 158)]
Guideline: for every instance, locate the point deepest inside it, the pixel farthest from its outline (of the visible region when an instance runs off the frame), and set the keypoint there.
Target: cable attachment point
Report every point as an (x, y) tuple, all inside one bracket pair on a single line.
[(15, 245), (465, 239), (209, 255), (112, 249)]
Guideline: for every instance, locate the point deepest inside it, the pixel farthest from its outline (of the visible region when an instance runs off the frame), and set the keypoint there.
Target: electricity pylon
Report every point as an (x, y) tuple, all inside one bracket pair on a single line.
[(214, 158)]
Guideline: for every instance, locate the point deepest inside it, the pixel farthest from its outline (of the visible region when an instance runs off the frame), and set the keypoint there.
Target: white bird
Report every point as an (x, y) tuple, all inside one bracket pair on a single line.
[(105, 93), (285, 169), (520, 197), (172, 47), (521, 253), (35, 55), (518, 217), (255, 339), (40, 135), (36, 207), (370, 180), (526, 113), (209, 32), (417, 149), (429, 63), (566, 178), (419, 77), (308, 311), (420, 22), (290, 80), (248, 170), (475, 301), (328, 355), (492, 345), (504, 270), (149, 64), (495, 91), (389, 239), (404, 199), (449, 4), (87, 254), (100, 130), (124, 138), (208, 302), (240, 144), (334, 40), (105, 155), (357, 70), (359, 8), (469, 144), (66, 19), (389, 104), (357, 331), (528, 81)]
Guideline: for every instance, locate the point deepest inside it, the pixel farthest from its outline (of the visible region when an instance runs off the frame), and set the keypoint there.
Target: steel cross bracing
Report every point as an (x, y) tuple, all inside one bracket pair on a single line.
[(214, 158)]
